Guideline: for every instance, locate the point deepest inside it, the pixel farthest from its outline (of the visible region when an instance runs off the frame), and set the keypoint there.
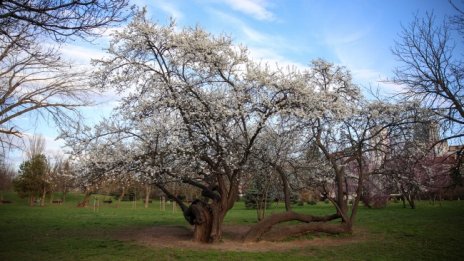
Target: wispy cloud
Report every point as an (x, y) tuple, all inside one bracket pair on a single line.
[(369, 78), (263, 47), (247, 34), (52, 146), (341, 38), (273, 59), (81, 55), (169, 8), (257, 9), (353, 49)]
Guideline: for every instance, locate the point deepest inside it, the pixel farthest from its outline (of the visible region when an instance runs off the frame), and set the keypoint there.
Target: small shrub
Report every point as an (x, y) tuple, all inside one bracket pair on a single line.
[(251, 199)]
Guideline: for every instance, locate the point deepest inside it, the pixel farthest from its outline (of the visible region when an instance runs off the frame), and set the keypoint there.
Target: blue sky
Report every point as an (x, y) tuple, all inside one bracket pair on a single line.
[(358, 34)]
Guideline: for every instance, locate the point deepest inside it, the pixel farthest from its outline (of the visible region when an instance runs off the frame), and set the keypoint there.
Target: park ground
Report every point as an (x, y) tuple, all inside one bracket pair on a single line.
[(132, 232)]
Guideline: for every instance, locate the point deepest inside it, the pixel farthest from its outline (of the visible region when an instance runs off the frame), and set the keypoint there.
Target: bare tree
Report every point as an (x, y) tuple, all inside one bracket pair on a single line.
[(60, 19), (33, 77), (35, 80), (432, 70), (458, 19), (36, 146)]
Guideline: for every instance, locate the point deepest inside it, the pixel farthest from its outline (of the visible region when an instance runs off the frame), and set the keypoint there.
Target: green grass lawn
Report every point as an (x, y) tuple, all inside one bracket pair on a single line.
[(64, 232)]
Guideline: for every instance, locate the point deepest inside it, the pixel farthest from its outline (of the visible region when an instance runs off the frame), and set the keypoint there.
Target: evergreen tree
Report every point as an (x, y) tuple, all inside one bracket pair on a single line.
[(32, 179)]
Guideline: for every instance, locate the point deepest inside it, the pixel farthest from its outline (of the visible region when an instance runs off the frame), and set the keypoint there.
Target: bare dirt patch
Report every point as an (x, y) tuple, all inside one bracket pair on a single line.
[(180, 237)]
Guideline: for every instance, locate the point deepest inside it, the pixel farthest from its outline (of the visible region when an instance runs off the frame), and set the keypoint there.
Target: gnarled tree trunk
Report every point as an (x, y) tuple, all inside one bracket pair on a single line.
[(200, 216), (258, 230), (301, 229), (207, 220), (219, 212), (207, 216), (286, 189)]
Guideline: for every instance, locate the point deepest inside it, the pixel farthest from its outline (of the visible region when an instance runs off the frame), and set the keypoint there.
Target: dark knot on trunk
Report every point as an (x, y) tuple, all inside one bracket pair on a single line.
[(197, 213)]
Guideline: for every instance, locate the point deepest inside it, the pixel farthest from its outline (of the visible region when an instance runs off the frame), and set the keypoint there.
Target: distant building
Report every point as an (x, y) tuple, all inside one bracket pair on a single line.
[(429, 133), (379, 146), (455, 150)]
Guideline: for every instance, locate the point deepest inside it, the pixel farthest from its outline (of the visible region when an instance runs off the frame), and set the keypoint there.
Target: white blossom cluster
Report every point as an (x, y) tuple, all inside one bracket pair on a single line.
[(196, 109)]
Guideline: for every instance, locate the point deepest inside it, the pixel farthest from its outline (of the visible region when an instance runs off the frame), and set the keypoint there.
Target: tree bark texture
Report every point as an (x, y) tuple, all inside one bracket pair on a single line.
[(207, 216), (200, 216), (207, 220), (219, 213), (258, 230), (285, 186)]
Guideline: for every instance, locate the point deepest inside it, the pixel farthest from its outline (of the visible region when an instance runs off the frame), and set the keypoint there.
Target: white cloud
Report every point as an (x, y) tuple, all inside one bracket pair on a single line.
[(262, 47), (53, 148), (340, 38), (370, 78), (354, 50), (365, 66), (102, 108), (81, 55), (271, 58), (255, 8), (169, 8), (108, 32), (250, 36)]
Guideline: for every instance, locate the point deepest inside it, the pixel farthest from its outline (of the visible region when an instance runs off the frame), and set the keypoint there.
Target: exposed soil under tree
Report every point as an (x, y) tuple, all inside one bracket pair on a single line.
[(181, 237)]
